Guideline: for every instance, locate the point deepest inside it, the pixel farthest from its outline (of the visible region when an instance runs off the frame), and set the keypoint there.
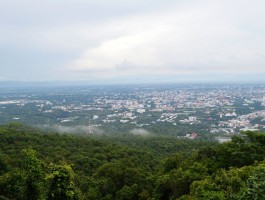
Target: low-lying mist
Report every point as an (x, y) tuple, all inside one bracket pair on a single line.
[(79, 129), (92, 130), (139, 131)]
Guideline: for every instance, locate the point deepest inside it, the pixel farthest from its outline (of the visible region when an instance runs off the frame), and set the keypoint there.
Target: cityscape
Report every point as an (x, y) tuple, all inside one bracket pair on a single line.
[(181, 110)]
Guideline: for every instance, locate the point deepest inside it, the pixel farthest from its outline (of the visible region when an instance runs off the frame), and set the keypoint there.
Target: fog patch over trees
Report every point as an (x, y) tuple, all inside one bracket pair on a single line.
[(140, 131), (79, 129)]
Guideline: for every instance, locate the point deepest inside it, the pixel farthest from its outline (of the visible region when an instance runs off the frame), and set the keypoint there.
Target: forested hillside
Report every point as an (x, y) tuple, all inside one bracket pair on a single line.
[(35, 164)]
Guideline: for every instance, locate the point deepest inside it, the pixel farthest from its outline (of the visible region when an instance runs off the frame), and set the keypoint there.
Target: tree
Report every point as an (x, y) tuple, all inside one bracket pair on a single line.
[(255, 188), (26, 182), (61, 183), (34, 175), (177, 182)]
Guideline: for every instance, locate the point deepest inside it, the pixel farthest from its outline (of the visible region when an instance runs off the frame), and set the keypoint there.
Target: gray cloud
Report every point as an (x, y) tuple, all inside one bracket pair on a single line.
[(130, 39)]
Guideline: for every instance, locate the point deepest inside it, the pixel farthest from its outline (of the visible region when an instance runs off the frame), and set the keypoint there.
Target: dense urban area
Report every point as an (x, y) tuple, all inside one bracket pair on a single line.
[(180, 110)]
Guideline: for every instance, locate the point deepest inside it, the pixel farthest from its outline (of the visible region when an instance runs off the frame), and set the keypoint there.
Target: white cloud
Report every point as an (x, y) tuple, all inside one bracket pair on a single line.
[(113, 39), (207, 37)]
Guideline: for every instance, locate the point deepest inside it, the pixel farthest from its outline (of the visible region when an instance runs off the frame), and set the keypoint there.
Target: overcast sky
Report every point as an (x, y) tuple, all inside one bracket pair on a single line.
[(124, 41)]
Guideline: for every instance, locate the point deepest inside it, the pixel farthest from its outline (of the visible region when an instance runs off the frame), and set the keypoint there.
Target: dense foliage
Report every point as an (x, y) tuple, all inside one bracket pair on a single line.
[(39, 165)]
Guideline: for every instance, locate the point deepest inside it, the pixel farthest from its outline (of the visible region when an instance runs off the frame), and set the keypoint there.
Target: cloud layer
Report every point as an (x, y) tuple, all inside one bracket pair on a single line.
[(131, 40)]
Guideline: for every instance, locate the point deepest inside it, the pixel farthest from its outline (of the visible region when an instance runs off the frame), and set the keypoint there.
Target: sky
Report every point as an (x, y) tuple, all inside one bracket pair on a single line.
[(132, 41)]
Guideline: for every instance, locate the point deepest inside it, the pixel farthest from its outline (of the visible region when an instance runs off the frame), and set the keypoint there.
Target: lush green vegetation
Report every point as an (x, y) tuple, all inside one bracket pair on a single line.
[(39, 165)]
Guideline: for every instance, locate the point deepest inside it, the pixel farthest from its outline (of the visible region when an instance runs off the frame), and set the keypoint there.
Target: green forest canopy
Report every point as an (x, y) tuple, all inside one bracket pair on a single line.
[(38, 165)]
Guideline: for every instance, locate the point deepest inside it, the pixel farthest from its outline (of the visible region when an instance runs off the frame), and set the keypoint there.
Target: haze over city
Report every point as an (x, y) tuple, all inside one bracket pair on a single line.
[(132, 41)]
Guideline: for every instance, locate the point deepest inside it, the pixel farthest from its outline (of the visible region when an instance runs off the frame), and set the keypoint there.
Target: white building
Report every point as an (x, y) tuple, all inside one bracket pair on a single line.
[(95, 117), (192, 119), (140, 110)]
